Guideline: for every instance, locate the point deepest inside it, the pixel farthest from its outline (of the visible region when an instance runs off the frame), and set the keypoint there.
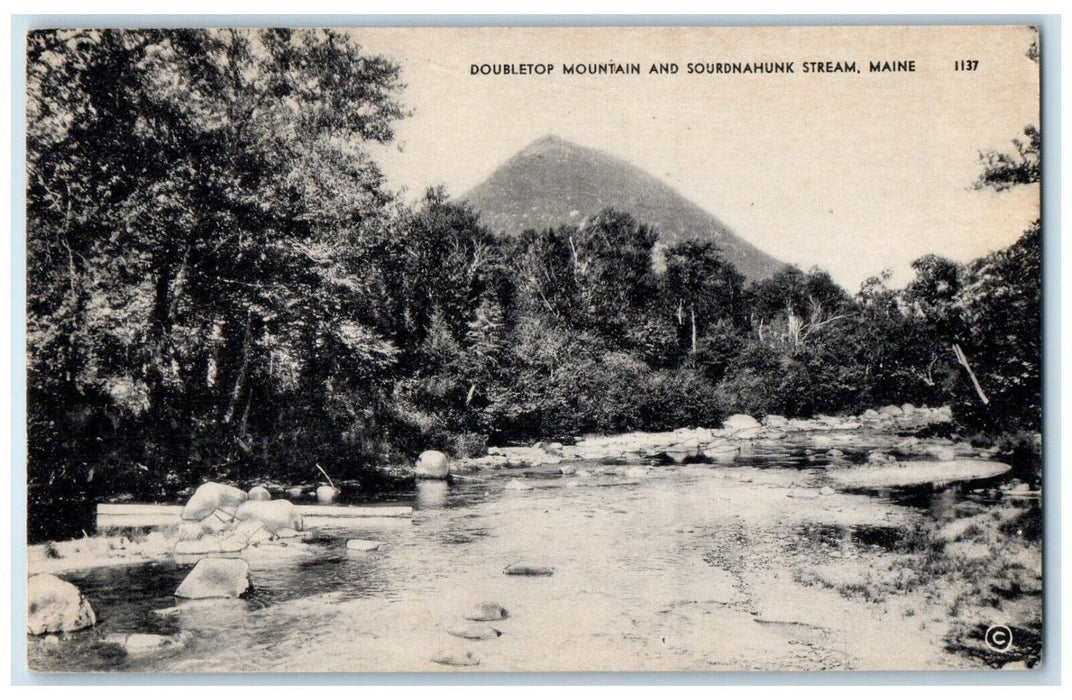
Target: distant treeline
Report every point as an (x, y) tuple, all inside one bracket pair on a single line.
[(219, 284)]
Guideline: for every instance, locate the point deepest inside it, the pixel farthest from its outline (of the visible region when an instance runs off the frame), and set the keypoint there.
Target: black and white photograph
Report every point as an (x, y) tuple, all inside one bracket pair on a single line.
[(533, 349)]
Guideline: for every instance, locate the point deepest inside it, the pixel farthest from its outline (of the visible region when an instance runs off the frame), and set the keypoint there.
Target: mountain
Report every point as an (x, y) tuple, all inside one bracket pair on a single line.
[(553, 181)]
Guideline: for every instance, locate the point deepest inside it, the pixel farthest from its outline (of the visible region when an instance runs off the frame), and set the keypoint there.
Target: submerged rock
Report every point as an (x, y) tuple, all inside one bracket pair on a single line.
[(910, 473), (474, 632), (138, 644), (363, 545), (524, 569), (209, 497), (455, 658), (432, 464), (54, 605), (516, 485), (487, 611), (215, 578)]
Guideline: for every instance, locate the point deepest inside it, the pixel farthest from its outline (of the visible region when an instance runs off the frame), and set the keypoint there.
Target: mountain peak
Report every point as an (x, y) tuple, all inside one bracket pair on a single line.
[(547, 144), (553, 181)]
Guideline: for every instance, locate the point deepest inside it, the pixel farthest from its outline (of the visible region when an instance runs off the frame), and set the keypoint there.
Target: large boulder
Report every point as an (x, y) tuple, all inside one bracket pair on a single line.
[(54, 605), (742, 426), (275, 515), (215, 578), (208, 497), (740, 421), (432, 464), (259, 493)]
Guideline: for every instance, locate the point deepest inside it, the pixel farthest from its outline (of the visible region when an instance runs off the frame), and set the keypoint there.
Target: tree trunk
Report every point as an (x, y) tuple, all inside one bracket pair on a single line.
[(692, 313), (243, 369), (963, 359)]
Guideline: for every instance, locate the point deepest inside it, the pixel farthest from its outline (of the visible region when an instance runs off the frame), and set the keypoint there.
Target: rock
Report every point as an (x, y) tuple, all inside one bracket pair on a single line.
[(891, 411), (275, 515), (295, 492), (432, 464), (912, 473), (826, 491), (54, 605), (208, 497), (286, 533), (137, 644), (363, 545), (516, 485), (52, 641), (215, 578), (259, 493), (878, 457), (835, 453), (724, 452), (553, 448), (870, 414), (252, 531), (197, 547), (773, 421), (474, 632), (190, 531), (908, 408), (741, 425), (156, 543), (567, 469), (523, 569), (942, 454), (217, 521), (326, 494), (455, 658), (487, 611)]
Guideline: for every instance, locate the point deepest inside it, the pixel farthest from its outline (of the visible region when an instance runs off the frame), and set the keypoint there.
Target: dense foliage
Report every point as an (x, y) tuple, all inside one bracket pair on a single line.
[(221, 285)]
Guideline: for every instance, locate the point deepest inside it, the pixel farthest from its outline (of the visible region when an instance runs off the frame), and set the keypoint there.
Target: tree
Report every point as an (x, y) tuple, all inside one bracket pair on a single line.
[(192, 195), (701, 288)]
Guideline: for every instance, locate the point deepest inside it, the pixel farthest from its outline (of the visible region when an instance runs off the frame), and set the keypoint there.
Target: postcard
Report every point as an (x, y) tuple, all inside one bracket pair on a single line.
[(534, 349)]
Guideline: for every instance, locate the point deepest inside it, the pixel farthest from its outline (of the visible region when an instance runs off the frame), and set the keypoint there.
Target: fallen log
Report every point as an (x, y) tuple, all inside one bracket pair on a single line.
[(113, 515)]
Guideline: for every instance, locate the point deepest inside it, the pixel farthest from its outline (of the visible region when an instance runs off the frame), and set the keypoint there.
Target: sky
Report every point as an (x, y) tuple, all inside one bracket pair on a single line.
[(852, 172)]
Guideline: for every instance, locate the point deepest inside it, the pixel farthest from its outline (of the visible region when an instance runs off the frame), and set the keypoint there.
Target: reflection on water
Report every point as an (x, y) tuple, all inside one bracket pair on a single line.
[(643, 577), (432, 494)]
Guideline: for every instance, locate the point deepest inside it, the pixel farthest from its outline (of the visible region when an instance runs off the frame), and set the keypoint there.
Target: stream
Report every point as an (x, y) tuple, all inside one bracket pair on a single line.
[(682, 567)]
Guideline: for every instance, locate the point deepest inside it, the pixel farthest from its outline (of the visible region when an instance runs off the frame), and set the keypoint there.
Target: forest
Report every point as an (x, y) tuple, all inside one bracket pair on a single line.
[(221, 284)]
